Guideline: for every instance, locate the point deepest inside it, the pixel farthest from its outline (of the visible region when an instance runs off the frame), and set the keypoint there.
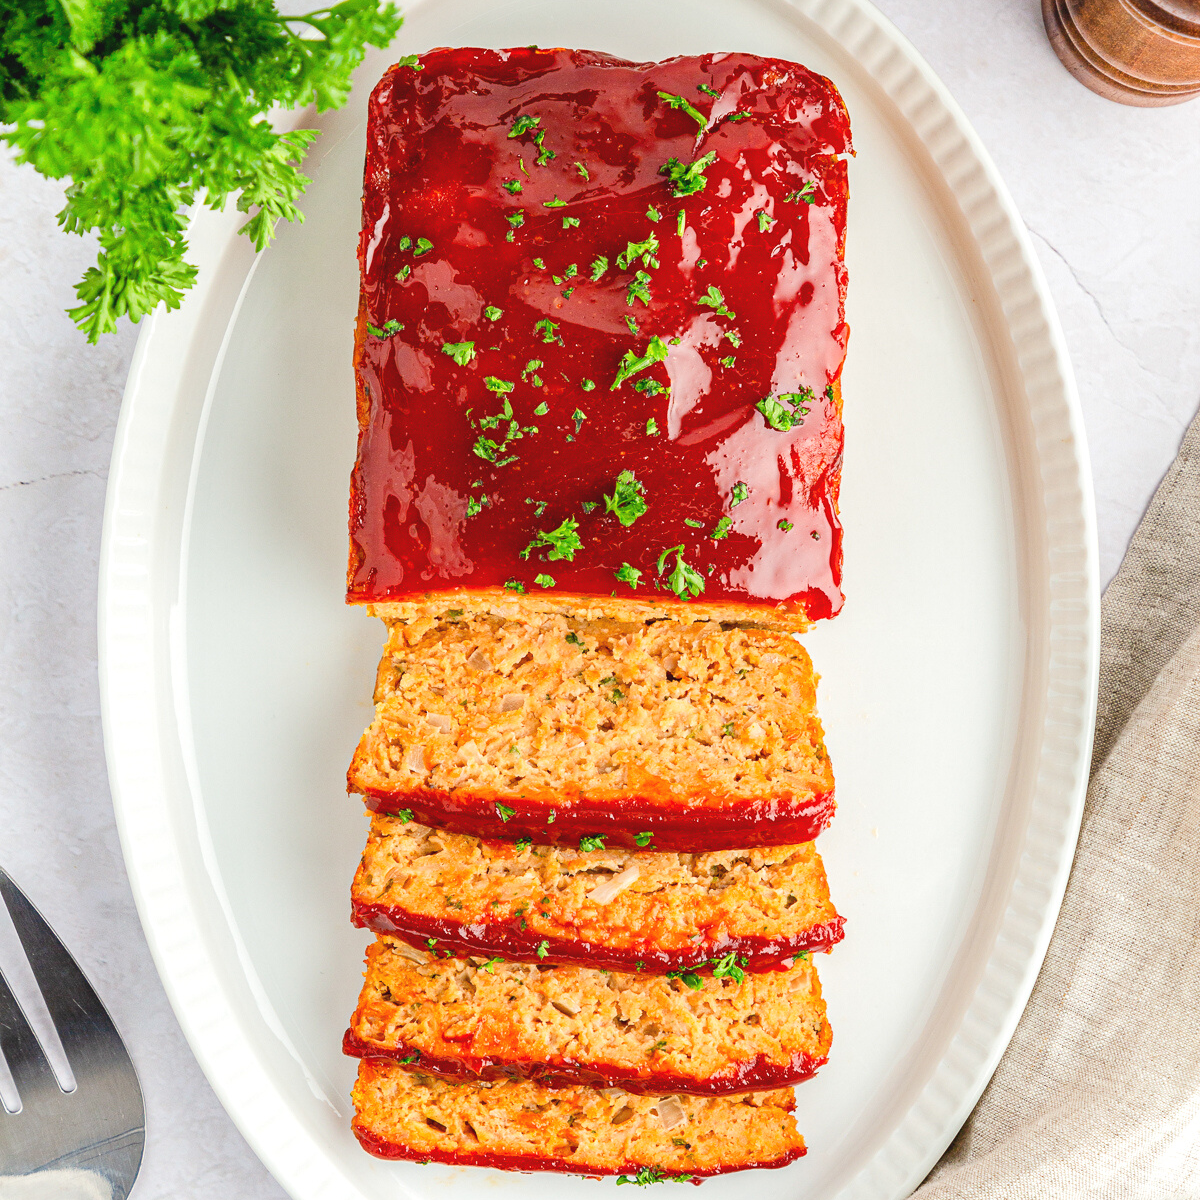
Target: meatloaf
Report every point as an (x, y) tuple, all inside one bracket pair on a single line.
[(647, 911), (600, 338), (709, 1034), (522, 1126), (660, 735)]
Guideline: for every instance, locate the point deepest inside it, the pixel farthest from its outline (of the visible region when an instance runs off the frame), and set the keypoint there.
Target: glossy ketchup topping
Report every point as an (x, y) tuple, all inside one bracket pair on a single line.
[(601, 329)]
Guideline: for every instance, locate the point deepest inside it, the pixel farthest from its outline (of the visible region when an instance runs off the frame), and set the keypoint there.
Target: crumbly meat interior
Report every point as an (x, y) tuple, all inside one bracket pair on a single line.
[(551, 708), (608, 897), (704, 1032), (405, 1113)]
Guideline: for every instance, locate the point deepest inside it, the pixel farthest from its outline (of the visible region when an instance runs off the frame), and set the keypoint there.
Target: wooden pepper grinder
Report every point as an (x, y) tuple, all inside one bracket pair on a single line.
[(1144, 52)]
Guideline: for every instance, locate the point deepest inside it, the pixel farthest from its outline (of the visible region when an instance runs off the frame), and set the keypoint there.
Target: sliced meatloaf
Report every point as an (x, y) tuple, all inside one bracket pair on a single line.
[(674, 737), (624, 911), (523, 1126), (707, 1034)]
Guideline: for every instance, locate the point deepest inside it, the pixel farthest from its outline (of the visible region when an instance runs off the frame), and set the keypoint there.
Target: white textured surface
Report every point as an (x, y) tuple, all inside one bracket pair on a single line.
[(1109, 193)]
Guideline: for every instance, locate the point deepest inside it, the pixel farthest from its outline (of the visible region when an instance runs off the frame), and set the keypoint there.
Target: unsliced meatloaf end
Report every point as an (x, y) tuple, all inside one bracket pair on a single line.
[(471, 1019), (659, 735), (402, 1113), (600, 338), (653, 911)]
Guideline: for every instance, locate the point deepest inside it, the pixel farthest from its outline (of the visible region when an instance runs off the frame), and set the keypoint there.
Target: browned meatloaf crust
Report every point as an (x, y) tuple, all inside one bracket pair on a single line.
[(604, 908), (522, 1126), (693, 737), (473, 1019)]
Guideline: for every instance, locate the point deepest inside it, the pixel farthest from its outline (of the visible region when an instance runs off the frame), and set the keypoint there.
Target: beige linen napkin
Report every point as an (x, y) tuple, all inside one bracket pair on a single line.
[(1098, 1094)]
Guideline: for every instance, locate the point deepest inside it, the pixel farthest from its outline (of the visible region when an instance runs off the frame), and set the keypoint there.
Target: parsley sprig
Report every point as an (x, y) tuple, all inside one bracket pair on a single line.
[(146, 107)]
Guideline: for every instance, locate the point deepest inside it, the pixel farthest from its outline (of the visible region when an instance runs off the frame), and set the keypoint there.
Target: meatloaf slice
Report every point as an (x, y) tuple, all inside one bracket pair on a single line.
[(709, 1035), (652, 911), (521, 1126), (676, 737)]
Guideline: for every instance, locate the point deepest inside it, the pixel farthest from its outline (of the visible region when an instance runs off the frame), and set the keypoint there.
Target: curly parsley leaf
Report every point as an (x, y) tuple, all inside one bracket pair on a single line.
[(631, 364), (680, 103), (686, 179), (595, 842), (562, 542), (146, 107), (626, 503), (629, 575), (461, 352)]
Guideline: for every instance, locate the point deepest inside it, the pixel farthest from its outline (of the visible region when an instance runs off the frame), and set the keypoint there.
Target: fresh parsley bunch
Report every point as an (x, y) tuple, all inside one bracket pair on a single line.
[(147, 104)]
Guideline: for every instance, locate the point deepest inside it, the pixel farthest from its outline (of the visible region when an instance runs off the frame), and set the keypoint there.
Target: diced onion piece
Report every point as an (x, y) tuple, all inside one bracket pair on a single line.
[(611, 888), (511, 702), (566, 1007), (411, 952), (440, 722), (478, 661), (670, 1113), (415, 759)]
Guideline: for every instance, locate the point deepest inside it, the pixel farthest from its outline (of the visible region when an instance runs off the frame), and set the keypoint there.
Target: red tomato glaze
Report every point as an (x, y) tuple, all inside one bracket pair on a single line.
[(456, 479)]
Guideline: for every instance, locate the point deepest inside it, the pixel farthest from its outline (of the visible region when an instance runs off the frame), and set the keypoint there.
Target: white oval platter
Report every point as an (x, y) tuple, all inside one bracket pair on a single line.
[(958, 687)]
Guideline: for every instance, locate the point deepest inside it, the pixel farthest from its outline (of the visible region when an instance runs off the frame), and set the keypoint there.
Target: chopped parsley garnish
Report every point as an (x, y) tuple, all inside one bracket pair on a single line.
[(539, 506), (765, 220), (808, 193), (388, 329), (575, 640), (738, 494), (777, 415), (486, 448), (595, 842), (735, 338), (626, 503), (639, 289), (726, 967), (582, 170), (497, 385), (406, 242), (504, 812), (405, 815), (475, 507), (540, 264), (588, 385), (567, 293), (411, 1058), (461, 352), (543, 949), (599, 266), (511, 186), (784, 525), (631, 364), (703, 87), (578, 416), (532, 365), (650, 387), (549, 331), (686, 179), (715, 299), (728, 361), (629, 575), (523, 124), (643, 839), (635, 250), (403, 274), (727, 729), (570, 222), (492, 962), (516, 219), (544, 581), (571, 271), (724, 525), (683, 579), (424, 245), (652, 427), (515, 585), (680, 221), (692, 523), (555, 203), (633, 325), (653, 214), (689, 977), (562, 542), (541, 410), (680, 103), (493, 313), (737, 116)]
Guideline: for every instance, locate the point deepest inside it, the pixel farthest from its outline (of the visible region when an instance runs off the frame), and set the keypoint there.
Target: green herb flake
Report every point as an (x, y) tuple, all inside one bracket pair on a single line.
[(629, 575), (765, 221), (807, 193), (515, 585), (592, 842), (653, 214), (512, 186), (555, 203), (631, 364), (505, 813), (562, 542), (686, 179), (403, 274), (680, 222), (492, 963), (626, 503), (785, 525), (723, 526), (582, 170), (516, 218), (680, 103), (728, 361), (411, 1058), (406, 242), (570, 222), (643, 839), (544, 581), (474, 507), (541, 410), (726, 967), (540, 264), (599, 266), (638, 289), (692, 523), (543, 949), (683, 580), (714, 298), (652, 427), (578, 416), (493, 313), (424, 245), (777, 415), (405, 815), (461, 352), (523, 124), (633, 325), (690, 978), (549, 331), (735, 338), (739, 493), (703, 87), (645, 250), (388, 329), (497, 385), (588, 385)]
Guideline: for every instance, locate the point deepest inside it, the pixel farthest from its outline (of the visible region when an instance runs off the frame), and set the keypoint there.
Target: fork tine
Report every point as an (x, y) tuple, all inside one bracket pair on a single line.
[(30, 1070), (71, 1001)]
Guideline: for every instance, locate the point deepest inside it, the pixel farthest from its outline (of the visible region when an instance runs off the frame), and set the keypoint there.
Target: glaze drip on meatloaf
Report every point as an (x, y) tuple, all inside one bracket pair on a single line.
[(402, 1113), (719, 1033), (661, 736), (600, 337), (623, 911)]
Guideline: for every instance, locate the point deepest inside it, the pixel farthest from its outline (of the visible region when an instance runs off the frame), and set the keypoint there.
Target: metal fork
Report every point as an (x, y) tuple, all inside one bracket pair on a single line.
[(86, 1143)]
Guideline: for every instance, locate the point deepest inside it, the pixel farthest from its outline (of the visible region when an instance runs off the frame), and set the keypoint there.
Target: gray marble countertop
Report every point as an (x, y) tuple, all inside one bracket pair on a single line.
[(1109, 193)]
